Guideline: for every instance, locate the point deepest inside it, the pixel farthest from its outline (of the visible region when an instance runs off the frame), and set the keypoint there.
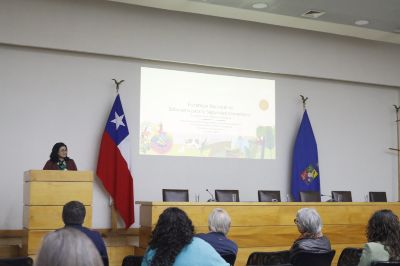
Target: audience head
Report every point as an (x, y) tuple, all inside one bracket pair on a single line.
[(308, 222), (219, 221), (174, 230), (68, 247), (58, 152), (73, 213), (384, 227)]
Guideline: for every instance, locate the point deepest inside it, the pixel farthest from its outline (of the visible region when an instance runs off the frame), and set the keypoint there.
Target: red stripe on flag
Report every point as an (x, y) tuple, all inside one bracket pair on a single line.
[(113, 171)]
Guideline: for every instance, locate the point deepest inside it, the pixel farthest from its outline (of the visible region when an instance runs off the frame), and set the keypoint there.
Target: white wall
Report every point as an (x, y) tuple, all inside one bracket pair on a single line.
[(48, 96)]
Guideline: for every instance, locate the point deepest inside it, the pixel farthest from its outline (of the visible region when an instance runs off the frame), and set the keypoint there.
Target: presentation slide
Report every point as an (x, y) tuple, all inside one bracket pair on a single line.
[(195, 114)]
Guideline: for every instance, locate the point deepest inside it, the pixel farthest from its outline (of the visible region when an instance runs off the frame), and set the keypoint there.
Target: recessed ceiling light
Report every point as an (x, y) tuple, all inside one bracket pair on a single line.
[(259, 5), (361, 22)]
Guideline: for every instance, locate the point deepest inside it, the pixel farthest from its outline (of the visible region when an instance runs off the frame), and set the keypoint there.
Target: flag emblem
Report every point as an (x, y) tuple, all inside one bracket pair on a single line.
[(309, 174)]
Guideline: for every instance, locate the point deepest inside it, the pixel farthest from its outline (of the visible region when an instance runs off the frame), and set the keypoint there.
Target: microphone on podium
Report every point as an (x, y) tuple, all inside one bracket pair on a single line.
[(212, 197)]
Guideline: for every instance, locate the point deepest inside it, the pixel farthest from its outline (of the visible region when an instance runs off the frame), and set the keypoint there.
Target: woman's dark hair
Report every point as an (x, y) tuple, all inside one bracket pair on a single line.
[(54, 152), (384, 227), (174, 230)]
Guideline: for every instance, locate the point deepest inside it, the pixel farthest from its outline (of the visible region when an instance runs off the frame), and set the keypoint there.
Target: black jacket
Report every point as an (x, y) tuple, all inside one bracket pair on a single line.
[(321, 244)]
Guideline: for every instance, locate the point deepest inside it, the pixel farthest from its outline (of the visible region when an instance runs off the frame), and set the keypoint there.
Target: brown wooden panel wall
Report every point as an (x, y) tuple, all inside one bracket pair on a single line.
[(269, 226)]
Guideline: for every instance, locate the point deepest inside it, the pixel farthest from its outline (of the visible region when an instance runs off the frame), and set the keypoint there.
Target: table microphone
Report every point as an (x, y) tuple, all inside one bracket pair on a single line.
[(212, 197)]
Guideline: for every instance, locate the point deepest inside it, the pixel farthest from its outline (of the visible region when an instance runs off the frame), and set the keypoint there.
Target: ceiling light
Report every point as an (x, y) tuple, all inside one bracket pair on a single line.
[(259, 5), (361, 22)]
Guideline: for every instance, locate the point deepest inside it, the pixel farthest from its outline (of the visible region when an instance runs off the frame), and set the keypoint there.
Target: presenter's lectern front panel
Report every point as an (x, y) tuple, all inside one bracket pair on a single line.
[(45, 193)]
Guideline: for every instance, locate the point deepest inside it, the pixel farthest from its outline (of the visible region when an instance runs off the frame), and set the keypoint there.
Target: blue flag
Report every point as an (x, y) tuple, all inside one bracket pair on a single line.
[(305, 169)]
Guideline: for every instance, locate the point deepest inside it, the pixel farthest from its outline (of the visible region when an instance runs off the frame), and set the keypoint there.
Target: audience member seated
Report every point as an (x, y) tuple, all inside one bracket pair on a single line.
[(219, 223), (59, 159), (73, 215), (68, 247), (383, 234), (172, 243), (311, 239)]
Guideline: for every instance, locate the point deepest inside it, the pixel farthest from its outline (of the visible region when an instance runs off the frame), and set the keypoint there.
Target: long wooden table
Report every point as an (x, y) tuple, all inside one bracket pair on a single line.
[(259, 226)]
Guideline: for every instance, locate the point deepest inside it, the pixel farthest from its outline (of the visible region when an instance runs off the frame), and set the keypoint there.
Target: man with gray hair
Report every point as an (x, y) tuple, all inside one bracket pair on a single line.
[(311, 238), (219, 223)]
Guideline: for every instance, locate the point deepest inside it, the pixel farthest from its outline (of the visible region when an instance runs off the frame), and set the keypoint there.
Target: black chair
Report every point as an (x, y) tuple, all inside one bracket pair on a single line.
[(377, 196), (177, 195), (230, 258), (350, 257), (269, 195), (341, 196), (132, 260), (226, 195), (310, 196), (385, 263), (312, 258), (19, 261), (269, 258)]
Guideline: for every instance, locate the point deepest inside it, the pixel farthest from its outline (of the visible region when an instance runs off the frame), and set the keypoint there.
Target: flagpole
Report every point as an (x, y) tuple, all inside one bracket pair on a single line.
[(397, 108), (114, 214)]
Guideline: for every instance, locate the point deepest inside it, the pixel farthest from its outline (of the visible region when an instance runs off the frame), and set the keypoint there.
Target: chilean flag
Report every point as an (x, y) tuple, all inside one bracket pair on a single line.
[(113, 166)]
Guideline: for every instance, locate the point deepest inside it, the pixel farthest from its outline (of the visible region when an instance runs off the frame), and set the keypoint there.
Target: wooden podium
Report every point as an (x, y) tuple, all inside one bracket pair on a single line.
[(45, 193)]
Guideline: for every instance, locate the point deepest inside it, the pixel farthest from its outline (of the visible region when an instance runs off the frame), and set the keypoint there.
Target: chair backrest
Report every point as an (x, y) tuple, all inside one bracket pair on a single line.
[(310, 196), (230, 258), (385, 263), (342, 196), (19, 261), (269, 195), (312, 258), (227, 195), (350, 257), (377, 196), (269, 258), (132, 260), (177, 195)]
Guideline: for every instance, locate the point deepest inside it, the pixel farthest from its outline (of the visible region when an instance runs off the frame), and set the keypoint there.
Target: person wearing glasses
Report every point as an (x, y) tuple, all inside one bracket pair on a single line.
[(59, 159), (311, 238)]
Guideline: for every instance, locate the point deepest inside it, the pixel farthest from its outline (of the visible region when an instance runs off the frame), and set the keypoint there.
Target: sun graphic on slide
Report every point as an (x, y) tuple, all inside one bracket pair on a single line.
[(263, 104)]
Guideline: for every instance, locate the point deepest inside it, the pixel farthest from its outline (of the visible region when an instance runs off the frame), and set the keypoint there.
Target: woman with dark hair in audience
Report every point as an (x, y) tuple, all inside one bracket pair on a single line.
[(383, 234), (173, 243), (59, 159)]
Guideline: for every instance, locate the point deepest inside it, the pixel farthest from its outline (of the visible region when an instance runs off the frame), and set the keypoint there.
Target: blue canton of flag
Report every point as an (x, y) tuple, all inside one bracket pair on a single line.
[(305, 169), (116, 125)]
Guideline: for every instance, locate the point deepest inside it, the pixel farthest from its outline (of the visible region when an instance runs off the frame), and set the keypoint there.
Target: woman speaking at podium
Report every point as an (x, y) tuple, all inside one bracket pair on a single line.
[(59, 159)]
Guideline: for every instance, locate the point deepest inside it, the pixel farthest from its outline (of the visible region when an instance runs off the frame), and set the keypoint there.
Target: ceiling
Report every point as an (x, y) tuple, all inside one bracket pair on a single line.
[(339, 18)]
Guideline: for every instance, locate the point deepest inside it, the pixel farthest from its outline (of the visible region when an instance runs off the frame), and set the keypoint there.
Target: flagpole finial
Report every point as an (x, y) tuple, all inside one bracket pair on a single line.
[(304, 99), (397, 108), (117, 83)]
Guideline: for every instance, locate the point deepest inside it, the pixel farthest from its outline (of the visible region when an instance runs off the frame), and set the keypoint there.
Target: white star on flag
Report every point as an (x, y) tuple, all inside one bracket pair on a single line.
[(118, 121)]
